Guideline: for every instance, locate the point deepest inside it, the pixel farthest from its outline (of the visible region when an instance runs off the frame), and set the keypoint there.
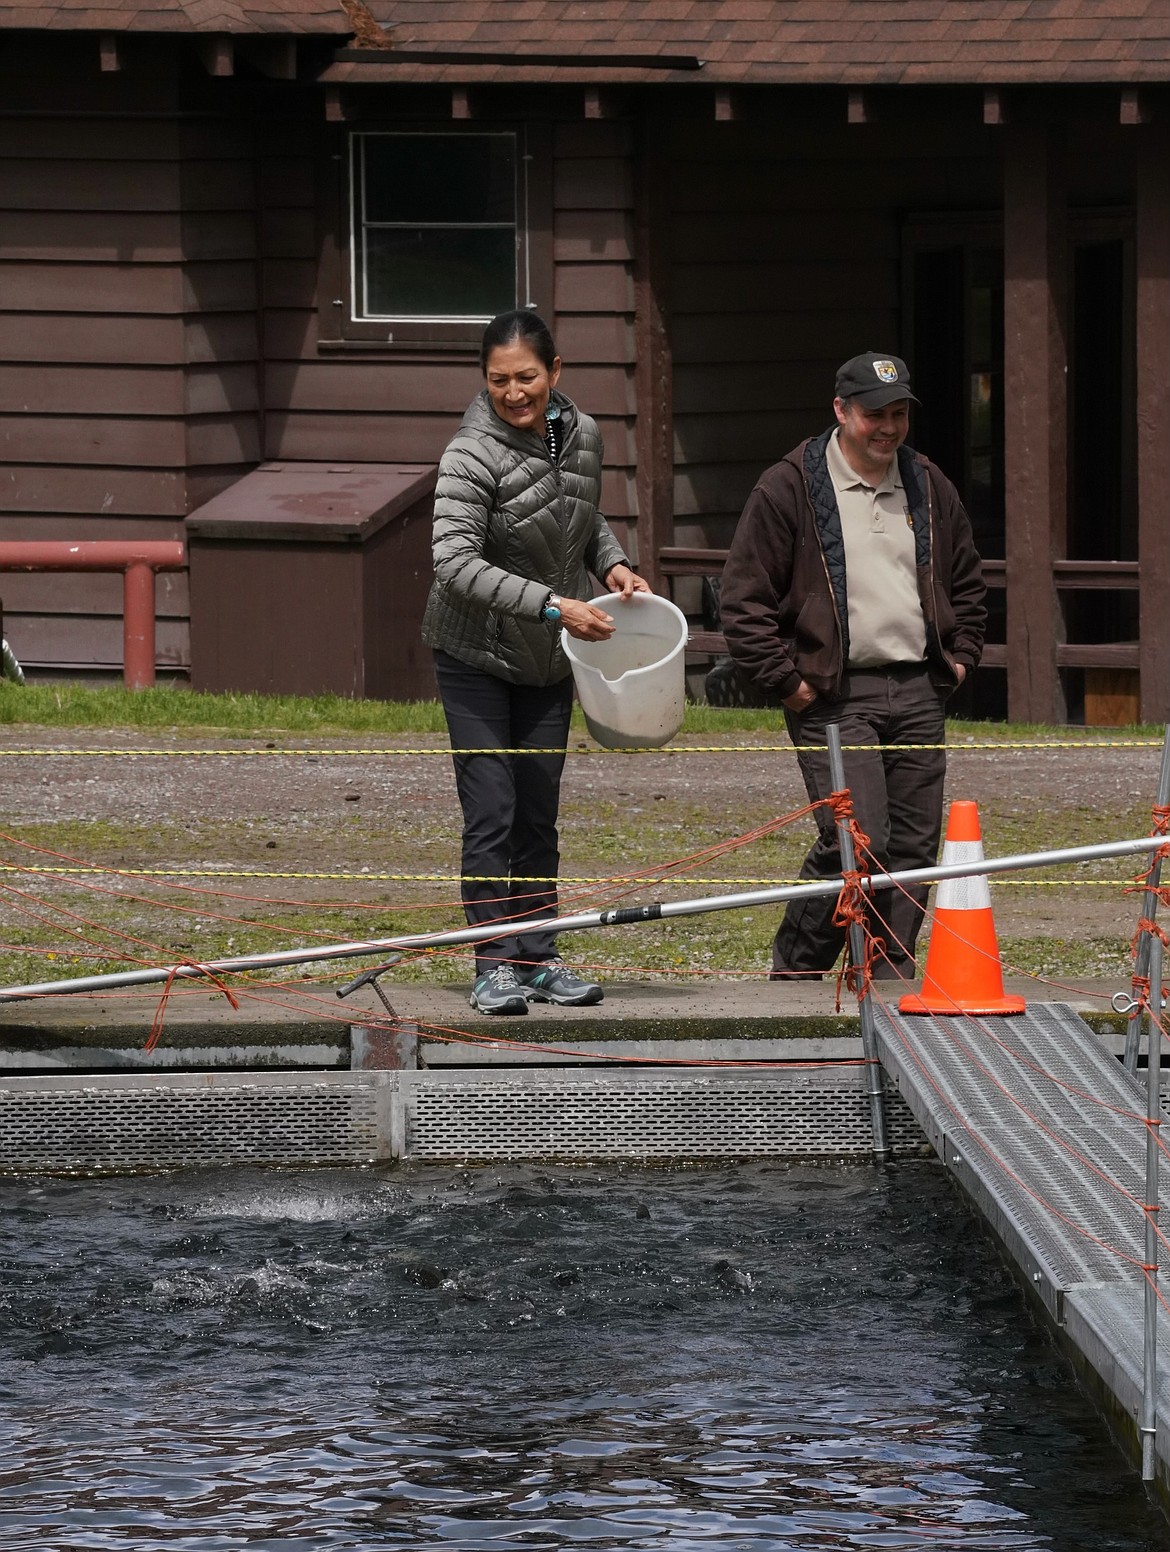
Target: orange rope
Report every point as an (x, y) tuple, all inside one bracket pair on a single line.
[(19, 895), (621, 887), (988, 1030), (852, 907), (1160, 825), (156, 1027), (1148, 926)]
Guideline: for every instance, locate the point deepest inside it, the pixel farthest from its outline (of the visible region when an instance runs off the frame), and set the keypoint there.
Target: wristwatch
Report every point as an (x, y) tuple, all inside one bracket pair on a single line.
[(552, 608)]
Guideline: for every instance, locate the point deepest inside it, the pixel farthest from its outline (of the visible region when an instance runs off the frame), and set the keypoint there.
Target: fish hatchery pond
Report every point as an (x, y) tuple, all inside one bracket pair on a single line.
[(760, 1357)]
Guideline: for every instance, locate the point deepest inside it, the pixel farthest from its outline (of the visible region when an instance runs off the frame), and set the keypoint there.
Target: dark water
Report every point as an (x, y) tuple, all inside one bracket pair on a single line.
[(757, 1358)]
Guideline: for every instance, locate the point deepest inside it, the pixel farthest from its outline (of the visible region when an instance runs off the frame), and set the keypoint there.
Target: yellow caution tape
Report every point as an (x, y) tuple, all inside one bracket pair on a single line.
[(673, 752), (631, 879)]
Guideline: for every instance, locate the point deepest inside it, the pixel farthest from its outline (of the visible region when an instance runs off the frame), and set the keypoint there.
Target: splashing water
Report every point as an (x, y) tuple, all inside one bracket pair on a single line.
[(759, 1358)]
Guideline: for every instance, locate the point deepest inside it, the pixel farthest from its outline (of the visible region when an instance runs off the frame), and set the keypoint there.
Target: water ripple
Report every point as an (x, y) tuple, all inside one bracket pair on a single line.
[(755, 1359)]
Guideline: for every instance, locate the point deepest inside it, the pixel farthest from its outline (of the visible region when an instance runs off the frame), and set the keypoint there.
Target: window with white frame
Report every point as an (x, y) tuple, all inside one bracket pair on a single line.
[(437, 231)]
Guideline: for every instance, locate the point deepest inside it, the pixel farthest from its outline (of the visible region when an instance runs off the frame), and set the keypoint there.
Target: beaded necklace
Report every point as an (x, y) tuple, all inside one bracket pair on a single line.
[(553, 432)]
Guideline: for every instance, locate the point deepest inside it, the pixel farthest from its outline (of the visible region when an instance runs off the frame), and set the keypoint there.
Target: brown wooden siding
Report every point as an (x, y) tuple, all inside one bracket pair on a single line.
[(161, 294), (358, 405), (366, 405), (127, 329), (593, 211), (64, 617), (218, 168), (784, 261), (81, 493), (101, 236), (116, 339), (34, 388)]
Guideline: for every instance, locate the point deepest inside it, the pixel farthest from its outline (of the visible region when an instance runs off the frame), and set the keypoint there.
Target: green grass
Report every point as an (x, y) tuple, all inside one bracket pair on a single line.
[(172, 923), (171, 707), (718, 944), (1071, 959), (683, 947), (731, 942), (602, 835)]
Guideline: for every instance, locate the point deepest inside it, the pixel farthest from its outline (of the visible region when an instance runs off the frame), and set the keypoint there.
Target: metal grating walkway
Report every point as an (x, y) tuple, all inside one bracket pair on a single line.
[(1045, 1130)]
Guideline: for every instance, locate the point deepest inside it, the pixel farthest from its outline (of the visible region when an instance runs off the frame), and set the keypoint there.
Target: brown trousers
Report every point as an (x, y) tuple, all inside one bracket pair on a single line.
[(897, 800)]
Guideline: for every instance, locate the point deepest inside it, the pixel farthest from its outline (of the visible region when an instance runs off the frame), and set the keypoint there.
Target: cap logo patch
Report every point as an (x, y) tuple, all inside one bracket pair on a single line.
[(886, 370)]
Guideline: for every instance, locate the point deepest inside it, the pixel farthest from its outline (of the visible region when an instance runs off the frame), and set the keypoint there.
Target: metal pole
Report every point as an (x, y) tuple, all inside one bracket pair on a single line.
[(1149, 1425), (881, 1151), (1141, 963), (138, 625), (619, 916), (137, 559)]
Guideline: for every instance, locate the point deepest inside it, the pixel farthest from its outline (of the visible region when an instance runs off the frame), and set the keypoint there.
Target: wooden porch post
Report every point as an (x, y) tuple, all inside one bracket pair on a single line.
[(1153, 416), (1036, 415), (653, 368)]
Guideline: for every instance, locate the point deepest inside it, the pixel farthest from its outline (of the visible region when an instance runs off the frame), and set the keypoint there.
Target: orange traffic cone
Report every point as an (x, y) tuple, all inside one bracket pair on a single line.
[(963, 970)]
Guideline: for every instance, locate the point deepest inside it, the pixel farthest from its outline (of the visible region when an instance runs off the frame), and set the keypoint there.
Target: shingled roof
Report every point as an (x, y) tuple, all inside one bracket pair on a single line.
[(320, 17), (856, 42)]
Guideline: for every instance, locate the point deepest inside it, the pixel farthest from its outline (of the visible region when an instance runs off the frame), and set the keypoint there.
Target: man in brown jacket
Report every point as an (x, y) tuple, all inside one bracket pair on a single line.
[(853, 594)]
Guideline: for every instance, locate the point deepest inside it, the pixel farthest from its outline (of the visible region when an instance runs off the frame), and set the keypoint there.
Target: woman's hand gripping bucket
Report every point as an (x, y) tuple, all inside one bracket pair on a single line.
[(632, 687)]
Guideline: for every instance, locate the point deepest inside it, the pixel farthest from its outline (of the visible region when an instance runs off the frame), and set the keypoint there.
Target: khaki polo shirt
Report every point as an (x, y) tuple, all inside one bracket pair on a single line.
[(885, 613)]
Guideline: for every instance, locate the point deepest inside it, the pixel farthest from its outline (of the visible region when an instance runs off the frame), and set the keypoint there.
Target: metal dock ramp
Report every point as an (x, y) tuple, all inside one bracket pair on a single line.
[(1046, 1132)]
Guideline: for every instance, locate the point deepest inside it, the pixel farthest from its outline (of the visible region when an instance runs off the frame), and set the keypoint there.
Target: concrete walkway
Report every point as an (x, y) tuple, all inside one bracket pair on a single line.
[(298, 1027)]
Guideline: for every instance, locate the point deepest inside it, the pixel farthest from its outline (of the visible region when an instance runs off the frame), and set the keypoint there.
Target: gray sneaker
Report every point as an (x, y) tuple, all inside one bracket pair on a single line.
[(499, 992), (553, 981)]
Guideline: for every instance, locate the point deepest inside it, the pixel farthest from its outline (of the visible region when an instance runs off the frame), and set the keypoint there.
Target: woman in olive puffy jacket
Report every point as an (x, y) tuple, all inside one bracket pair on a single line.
[(517, 533)]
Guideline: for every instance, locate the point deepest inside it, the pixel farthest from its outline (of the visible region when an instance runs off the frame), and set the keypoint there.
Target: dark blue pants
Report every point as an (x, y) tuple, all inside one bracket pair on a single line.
[(511, 849), (898, 803)]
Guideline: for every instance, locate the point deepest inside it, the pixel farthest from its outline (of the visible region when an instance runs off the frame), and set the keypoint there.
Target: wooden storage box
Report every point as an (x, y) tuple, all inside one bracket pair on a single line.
[(311, 579)]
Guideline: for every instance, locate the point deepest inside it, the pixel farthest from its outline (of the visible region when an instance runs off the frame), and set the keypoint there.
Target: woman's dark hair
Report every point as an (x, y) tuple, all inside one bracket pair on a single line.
[(525, 325)]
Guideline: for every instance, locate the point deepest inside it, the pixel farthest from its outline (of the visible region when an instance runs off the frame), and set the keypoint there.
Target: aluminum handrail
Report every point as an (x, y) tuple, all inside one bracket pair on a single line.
[(617, 916)]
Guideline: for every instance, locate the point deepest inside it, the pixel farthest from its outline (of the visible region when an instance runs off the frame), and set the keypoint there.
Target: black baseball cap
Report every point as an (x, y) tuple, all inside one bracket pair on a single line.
[(873, 380)]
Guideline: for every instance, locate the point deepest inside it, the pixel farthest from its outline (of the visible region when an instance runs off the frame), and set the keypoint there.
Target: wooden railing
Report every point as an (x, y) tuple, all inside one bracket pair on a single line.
[(684, 562), (1068, 575), (1075, 576)]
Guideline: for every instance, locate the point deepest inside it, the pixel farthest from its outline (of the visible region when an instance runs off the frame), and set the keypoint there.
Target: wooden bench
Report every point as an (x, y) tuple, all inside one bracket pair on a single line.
[(679, 561)]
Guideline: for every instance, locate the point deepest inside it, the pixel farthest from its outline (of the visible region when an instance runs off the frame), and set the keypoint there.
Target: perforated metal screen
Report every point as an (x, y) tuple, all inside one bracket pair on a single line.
[(124, 1122), (688, 1114), (134, 1121)]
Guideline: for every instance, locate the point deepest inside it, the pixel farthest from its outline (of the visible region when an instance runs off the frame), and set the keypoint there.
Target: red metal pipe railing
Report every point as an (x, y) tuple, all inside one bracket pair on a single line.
[(137, 561)]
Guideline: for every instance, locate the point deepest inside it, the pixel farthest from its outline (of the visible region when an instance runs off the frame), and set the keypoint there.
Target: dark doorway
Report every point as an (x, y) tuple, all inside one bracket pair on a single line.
[(1102, 506), (1102, 491), (958, 363), (955, 317), (954, 302)]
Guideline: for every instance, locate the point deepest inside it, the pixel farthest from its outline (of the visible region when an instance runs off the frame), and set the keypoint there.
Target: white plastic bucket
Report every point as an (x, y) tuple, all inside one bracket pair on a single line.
[(632, 687)]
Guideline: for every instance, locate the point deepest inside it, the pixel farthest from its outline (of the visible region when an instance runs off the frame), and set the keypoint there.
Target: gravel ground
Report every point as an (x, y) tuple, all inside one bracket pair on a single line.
[(339, 806)]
